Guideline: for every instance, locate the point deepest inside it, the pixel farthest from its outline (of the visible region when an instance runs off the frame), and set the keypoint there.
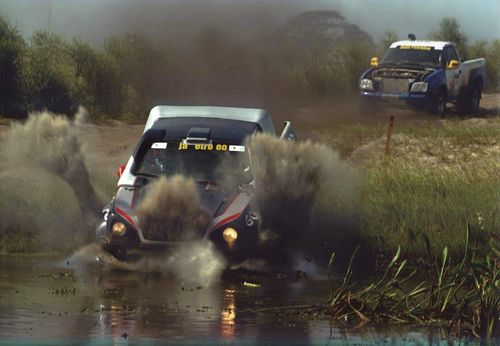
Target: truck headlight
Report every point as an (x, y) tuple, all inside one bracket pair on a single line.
[(419, 87), (366, 84)]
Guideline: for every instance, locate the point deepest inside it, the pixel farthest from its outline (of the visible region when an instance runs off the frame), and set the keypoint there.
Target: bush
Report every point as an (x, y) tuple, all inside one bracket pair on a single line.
[(12, 47)]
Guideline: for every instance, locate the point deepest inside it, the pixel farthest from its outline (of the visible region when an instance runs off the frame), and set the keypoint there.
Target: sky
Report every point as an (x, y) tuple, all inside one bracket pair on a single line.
[(95, 20)]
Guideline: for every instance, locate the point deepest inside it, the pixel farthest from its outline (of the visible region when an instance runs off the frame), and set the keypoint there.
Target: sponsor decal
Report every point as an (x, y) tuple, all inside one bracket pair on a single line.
[(212, 147), (416, 47), (239, 148), (159, 145)]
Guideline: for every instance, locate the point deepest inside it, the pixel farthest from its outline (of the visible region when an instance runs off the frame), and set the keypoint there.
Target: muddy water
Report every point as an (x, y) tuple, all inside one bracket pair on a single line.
[(44, 301)]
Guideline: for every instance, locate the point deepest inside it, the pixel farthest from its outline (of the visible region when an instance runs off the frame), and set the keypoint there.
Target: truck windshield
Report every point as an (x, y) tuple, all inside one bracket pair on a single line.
[(220, 163), (413, 56)]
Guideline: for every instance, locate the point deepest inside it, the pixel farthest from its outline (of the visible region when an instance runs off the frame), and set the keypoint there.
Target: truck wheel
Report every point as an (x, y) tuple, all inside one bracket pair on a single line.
[(439, 104), (472, 100)]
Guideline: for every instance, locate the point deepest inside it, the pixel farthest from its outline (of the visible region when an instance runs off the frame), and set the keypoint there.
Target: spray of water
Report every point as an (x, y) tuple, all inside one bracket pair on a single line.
[(298, 183), (195, 262), (48, 202), (291, 175), (171, 210), (51, 143)]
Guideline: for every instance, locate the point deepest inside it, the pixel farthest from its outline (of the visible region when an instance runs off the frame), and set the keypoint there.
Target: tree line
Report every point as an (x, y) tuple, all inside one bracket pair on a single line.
[(130, 72)]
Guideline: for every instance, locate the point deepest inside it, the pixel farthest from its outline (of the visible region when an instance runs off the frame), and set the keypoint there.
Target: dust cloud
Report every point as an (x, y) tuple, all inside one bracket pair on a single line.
[(171, 210)]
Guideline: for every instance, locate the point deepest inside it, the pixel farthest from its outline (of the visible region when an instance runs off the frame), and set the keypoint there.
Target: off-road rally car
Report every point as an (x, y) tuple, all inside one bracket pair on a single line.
[(192, 142), (425, 74)]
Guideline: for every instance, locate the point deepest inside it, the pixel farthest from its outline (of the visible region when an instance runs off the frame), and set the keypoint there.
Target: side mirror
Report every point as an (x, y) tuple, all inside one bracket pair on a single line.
[(120, 170), (453, 64), (374, 61)]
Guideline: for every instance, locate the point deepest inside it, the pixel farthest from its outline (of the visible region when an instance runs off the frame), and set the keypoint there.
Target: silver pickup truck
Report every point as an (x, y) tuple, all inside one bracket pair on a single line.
[(426, 74)]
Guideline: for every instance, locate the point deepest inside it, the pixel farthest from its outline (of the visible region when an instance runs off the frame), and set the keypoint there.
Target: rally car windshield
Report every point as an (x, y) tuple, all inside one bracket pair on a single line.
[(219, 163), (418, 56)]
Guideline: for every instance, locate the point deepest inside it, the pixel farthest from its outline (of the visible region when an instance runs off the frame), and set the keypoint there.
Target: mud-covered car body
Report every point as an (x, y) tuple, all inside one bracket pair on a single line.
[(427, 74), (192, 138)]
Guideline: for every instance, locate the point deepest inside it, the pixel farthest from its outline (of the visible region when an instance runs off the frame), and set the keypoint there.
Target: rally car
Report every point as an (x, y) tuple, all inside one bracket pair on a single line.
[(425, 74), (191, 141)]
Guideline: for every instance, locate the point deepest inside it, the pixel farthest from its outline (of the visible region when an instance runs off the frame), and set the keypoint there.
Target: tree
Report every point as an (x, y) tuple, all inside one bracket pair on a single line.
[(449, 30), (390, 36), (49, 75), (12, 47)]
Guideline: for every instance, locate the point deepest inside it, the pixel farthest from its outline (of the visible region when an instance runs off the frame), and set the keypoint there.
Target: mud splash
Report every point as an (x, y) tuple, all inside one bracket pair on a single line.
[(48, 200), (50, 142), (171, 210), (296, 183), (195, 262)]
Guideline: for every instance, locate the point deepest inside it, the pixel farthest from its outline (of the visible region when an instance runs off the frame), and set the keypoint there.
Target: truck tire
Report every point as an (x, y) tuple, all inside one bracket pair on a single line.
[(439, 104), (472, 99)]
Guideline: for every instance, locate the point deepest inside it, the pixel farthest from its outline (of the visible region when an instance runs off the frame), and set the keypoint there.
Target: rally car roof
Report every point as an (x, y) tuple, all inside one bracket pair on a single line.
[(438, 45), (252, 115), (219, 130)]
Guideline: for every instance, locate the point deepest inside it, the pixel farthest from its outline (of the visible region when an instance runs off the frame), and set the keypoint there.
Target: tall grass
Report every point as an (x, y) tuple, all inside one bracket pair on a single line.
[(436, 181), (402, 202)]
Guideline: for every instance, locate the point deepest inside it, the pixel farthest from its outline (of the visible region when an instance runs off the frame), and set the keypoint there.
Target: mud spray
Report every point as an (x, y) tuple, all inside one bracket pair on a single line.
[(44, 168), (195, 262), (303, 190), (171, 210)]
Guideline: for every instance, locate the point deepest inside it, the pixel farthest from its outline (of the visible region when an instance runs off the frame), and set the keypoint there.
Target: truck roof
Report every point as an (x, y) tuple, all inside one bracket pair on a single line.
[(252, 115), (438, 45)]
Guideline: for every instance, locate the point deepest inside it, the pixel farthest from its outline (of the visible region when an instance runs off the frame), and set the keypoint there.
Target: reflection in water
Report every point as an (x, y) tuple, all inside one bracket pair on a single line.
[(134, 308), (228, 314)]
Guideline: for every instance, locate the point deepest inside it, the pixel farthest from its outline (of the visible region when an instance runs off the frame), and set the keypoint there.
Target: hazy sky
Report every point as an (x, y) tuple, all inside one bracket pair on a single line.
[(96, 20)]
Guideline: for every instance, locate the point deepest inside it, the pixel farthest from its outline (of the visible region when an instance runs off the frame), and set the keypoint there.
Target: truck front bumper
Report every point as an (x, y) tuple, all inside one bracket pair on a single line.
[(414, 99)]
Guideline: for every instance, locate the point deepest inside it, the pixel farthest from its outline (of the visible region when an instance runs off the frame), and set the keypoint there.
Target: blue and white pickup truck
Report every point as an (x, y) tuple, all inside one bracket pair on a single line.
[(428, 74)]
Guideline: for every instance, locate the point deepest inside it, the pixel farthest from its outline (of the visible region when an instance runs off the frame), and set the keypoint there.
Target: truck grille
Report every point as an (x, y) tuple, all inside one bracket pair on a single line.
[(395, 85)]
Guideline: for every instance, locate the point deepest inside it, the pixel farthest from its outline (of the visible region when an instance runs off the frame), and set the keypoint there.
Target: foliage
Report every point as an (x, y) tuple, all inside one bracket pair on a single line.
[(11, 49), (465, 294), (302, 63), (449, 30), (390, 36)]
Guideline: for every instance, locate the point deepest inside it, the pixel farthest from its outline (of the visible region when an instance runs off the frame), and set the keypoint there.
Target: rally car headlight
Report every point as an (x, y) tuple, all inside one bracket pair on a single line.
[(119, 229), (230, 235), (419, 87), (366, 84)]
